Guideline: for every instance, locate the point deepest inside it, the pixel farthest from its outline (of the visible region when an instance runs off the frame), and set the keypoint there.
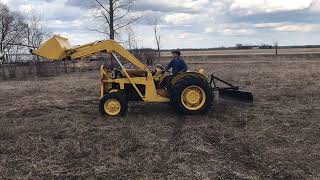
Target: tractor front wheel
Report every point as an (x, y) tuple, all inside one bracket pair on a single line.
[(113, 104)]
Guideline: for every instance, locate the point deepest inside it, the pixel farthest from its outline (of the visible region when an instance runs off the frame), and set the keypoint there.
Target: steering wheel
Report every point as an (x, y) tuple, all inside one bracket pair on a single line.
[(162, 69)]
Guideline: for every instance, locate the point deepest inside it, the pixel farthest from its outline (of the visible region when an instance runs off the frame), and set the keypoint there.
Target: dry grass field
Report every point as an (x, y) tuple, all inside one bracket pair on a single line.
[(281, 51), (50, 128)]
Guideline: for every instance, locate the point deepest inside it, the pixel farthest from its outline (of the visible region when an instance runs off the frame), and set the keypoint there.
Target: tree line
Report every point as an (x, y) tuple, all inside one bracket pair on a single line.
[(19, 32)]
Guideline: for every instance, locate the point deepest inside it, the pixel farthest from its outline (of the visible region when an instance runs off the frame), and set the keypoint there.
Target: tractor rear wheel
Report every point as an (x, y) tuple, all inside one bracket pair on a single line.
[(192, 95), (113, 104)]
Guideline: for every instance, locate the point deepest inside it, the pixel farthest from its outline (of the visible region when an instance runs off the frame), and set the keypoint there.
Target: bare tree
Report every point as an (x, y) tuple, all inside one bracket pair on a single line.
[(12, 27), (157, 36), (36, 32), (131, 41), (116, 14)]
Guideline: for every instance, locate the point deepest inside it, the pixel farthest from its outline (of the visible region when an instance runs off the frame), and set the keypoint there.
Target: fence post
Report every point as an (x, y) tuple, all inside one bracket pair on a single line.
[(4, 76), (64, 66), (2, 71)]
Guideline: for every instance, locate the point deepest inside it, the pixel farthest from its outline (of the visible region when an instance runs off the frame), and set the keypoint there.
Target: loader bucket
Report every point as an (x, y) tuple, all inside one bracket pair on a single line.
[(236, 95), (54, 49)]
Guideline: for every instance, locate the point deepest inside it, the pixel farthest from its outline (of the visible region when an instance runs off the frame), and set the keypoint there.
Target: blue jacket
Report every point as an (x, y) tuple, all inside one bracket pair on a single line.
[(177, 65)]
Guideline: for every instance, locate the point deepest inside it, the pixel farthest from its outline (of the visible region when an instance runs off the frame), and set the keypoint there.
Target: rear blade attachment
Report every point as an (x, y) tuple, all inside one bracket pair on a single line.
[(230, 92), (236, 95)]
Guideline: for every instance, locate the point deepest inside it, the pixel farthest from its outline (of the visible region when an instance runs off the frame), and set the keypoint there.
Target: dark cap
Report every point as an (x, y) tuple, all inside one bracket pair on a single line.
[(176, 52)]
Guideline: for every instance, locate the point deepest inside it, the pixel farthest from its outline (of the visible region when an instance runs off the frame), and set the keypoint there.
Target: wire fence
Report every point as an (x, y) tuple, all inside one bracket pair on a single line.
[(22, 66)]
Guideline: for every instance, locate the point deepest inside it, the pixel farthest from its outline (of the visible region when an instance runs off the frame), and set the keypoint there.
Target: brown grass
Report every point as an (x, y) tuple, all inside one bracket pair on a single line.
[(50, 128), (32, 69), (281, 51)]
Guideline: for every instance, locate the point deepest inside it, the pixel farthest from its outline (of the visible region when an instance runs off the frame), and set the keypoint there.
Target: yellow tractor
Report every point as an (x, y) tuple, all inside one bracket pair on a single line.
[(191, 92)]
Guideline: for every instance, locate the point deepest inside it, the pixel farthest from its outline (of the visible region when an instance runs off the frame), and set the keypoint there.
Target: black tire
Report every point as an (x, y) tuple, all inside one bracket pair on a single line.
[(186, 82), (117, 96)]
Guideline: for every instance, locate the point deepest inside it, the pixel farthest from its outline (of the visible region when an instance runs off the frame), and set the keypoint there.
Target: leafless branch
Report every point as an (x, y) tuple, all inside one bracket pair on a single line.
[(104, 15), (98, 31), (101, 5), (126, 24), (122, 16), (157, 36), (117, 15), (126, 5)]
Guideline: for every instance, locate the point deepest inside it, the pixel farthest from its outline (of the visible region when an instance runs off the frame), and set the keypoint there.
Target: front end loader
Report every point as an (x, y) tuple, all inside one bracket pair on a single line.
[(190, 92)]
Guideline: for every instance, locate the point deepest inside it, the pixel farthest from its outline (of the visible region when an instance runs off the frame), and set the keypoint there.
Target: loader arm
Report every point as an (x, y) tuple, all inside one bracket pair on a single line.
[(58, 48), (110, 46)]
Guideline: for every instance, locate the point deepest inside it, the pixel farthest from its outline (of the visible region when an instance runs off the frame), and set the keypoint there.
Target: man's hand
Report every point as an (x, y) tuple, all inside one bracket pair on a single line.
[(164, 70)]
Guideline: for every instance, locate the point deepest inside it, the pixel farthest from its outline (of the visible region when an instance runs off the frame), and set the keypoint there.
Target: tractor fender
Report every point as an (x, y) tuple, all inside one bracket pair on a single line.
[(178, 77)]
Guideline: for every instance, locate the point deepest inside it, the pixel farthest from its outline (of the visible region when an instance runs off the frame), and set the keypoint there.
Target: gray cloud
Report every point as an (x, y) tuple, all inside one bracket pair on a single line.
[(139, 5), (304, 15), (80, 3), (293, 16), (142, 6), (211, 20)]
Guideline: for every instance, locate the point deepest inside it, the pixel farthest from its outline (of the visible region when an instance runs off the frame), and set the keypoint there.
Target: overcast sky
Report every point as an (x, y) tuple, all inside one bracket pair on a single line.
[(193, 23)]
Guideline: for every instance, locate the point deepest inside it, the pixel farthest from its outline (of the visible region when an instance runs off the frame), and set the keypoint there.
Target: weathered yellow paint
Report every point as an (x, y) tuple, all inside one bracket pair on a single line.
[(112, 107), (201, 71), (102, 89), (182, 75), (109, 46), (113, 91), (58, 48), (102, 85), (193, 98), (151, 91), (54, 49), (128, 76)]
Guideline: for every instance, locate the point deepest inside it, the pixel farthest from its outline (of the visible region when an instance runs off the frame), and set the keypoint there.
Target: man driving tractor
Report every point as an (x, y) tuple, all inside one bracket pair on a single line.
[(190, 93), (178, 66)]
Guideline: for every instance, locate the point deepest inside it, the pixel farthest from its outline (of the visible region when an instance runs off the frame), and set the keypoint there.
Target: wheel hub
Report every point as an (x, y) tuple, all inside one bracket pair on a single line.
[(193, 97), (112, 107)]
